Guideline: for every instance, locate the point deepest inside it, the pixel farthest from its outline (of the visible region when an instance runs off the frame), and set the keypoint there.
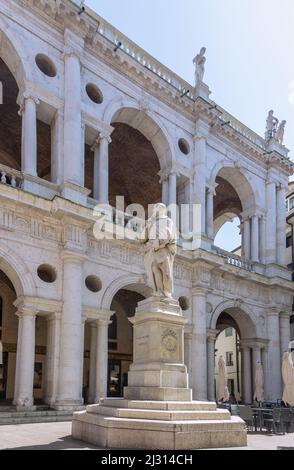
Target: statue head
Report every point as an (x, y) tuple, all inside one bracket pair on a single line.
[(283, 123), (202, 51), (159, 211)]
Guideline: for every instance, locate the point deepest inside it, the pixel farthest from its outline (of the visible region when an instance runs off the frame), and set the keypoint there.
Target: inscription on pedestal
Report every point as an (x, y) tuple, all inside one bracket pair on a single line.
[(169, 344)]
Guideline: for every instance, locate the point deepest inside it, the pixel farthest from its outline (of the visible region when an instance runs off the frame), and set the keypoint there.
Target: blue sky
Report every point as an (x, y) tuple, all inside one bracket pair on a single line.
[(250, 49)]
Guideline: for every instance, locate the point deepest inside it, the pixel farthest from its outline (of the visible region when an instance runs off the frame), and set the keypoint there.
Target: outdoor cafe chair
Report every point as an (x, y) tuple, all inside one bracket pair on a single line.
[(246, 413), (273, 422)]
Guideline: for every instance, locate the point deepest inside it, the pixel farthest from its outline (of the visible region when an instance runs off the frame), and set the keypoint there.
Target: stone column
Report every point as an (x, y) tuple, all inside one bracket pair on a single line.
[(101, 360), (57, 163), (198, 346), (211, 338), (271, 224), (246, 375), (172, 184), (92, 368), (246, 237), (29, 134), (264, 353), (274, 356), (72, 112), (262, 239), (101, 168), (284, 332), (281, 225), (199, 189), (254, 238), (256, 358), (18, 352), (26, 359), (82, 357), (52, 358), (209, 213), (69, 392), (165, 190)]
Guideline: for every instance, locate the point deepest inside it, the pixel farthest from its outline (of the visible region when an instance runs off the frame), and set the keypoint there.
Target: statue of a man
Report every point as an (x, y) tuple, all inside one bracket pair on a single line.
[(199, 62), (271, 125), (280, 132), (160, 250)]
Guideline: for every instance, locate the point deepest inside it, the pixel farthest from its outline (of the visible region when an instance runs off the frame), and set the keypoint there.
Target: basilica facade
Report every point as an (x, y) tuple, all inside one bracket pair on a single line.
[(88, 116)]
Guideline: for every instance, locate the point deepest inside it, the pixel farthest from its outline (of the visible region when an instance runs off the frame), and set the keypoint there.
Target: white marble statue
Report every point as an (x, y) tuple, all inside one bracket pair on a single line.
[(271, 125), (280, 133), (160, 250), (199, 62)]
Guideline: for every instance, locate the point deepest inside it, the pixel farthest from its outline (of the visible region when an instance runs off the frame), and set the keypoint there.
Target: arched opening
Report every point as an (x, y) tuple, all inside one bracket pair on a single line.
[(228, 346), (11, 128), (233, 198), (9, 325), (8, 338), (237, 343), (10, 121), (120, 350)]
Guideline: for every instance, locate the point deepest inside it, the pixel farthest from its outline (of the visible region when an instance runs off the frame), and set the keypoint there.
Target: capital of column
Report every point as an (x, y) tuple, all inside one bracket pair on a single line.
[(24, 98), (53, 316), (285, 315), (273, 312), (199, 292), (26, 311), (211, 191), (103, 323), (73, 256), (100, 137), (212, 335)]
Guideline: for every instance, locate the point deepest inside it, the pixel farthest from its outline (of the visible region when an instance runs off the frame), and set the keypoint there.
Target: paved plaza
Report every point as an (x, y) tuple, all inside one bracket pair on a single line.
[(57, 436)]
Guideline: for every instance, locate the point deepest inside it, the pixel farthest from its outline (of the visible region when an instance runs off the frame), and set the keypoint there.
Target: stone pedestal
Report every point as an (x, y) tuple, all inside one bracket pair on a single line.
[(157, 411)]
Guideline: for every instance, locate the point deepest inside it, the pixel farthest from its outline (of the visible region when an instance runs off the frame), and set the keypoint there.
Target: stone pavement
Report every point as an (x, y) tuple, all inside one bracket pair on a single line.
[(46, 436)]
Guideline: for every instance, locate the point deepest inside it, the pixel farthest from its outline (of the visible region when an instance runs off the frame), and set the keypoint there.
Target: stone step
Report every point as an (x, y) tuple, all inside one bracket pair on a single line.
[(34, 419), (159, 405), (27, 414), (38, 416), (163, 415), (120, 433)]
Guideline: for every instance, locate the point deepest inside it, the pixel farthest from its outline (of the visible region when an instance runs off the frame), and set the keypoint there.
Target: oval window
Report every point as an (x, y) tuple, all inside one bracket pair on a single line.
[(93, 283), (47, 273), (46, 65), (184, 146), (94, 93)]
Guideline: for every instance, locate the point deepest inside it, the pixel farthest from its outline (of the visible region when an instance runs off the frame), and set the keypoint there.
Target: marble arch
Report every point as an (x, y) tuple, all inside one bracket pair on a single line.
[(239, 181), (240, 313), (12, 53), (145, 121), (134, 283), (18, 273)]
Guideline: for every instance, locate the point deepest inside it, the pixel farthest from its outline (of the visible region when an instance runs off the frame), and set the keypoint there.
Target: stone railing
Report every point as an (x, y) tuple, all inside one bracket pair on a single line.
[(129, 223), (10, 177), (234, 260), (235, 124), (131, 49)]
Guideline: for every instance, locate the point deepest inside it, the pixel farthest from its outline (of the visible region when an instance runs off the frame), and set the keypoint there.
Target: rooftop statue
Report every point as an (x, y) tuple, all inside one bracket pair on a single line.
[(160, 250), (199, 62), (280, 132), (271, 125)]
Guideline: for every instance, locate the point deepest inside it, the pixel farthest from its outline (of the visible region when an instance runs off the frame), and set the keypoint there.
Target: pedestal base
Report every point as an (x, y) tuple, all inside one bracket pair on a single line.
[(167, 425), (157, 411)]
